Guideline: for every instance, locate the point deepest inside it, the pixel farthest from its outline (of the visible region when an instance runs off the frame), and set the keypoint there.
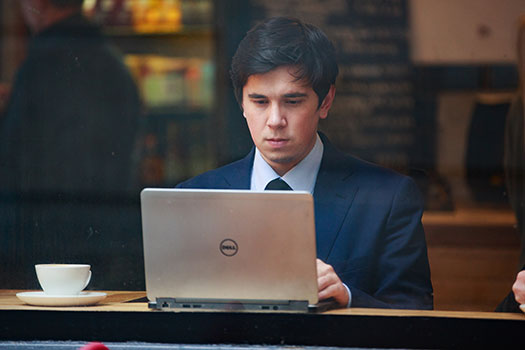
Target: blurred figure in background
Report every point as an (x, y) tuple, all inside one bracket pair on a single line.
[(66, 144), (514, 165)]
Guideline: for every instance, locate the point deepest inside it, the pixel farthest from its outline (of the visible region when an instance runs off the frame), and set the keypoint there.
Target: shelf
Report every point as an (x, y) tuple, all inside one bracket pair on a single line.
[(177, 113), (193, 42), (185, 31), (171, 55)]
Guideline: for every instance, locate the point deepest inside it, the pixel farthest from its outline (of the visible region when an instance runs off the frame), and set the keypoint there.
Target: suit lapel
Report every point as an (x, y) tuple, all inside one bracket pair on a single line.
[(333, 197), (239, 174)]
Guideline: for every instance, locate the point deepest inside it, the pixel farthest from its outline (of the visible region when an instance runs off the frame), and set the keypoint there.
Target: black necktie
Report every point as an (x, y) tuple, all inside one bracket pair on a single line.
[(278, 185)]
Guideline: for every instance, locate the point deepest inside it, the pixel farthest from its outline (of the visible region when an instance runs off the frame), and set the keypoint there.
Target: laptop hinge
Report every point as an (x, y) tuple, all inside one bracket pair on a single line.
[(228, 305)]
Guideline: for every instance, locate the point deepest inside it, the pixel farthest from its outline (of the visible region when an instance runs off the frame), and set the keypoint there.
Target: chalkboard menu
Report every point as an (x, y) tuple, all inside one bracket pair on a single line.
[(373, 113)]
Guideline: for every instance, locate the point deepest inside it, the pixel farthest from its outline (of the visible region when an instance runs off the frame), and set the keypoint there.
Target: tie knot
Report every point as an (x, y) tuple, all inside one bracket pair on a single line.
[(278, 184)]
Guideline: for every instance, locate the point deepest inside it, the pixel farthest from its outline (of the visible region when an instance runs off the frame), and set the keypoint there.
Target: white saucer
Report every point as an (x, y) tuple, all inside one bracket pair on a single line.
[(42, 299), (522, 307)]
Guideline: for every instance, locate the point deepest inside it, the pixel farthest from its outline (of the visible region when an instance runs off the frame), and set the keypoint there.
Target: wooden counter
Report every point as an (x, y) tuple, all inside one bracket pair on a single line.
[(470, 217), (116, 319), (473, 255)]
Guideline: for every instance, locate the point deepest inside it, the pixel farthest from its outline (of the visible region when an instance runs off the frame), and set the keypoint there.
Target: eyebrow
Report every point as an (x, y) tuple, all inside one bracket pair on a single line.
[(295, 95), (256, 96), (290, 95)]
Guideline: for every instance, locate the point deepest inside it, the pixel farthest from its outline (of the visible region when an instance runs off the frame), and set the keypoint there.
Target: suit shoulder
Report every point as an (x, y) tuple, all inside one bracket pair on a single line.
[(364, 168), (216, 178), (377, 177)]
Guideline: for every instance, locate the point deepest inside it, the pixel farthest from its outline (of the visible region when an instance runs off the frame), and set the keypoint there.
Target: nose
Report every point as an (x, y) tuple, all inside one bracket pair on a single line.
[(276, 118)]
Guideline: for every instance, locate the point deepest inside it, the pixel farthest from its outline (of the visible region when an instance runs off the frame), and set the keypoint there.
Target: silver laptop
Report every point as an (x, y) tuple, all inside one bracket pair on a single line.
[(229, 249)]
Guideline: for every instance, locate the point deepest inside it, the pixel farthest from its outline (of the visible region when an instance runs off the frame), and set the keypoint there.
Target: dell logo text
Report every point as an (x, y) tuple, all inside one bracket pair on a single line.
[(228, 247)]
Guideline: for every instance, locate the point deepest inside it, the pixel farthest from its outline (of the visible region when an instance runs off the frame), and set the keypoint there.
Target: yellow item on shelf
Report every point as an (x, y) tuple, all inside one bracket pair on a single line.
[(157, 16), (173, 81)]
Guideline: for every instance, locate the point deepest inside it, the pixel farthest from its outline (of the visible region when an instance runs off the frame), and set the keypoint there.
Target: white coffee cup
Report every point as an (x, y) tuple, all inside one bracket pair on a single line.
[(63, 279)]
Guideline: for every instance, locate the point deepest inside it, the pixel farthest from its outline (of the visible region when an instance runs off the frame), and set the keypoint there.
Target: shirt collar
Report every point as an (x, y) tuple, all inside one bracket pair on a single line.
[(301, 177)]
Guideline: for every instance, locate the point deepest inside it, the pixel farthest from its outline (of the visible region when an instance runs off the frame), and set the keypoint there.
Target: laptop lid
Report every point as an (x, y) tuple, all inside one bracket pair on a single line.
[(235, 246)]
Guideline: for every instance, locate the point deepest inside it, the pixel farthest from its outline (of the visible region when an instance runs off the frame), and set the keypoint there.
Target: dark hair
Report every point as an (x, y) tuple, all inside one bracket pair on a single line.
[(281, 41), (67, 3)]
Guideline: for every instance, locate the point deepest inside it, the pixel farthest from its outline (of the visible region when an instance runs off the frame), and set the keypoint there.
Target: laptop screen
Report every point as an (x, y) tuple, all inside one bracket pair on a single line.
[(231, 245)]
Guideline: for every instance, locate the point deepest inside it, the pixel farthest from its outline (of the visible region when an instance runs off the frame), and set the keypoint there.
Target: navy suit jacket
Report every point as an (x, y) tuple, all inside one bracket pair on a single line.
[(368, 227)]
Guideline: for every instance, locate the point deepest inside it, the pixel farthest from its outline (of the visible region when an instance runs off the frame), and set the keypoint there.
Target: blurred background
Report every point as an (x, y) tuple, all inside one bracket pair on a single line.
[(424, 88)]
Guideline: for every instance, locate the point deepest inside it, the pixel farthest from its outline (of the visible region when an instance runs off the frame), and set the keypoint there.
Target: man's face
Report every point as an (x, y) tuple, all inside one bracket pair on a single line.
[(282, 115)]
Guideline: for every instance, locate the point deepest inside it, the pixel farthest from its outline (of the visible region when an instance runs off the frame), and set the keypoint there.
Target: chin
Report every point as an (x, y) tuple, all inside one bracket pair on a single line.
[(282, 160)]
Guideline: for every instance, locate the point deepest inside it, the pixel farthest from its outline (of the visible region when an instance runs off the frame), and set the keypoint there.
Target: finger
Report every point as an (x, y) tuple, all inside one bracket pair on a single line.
[(324, 269), (520, 296), (324, 282), (326, 276), (519, 290), (336, 291), (328, 292), (521, 277), (321, 267), (324, 294)]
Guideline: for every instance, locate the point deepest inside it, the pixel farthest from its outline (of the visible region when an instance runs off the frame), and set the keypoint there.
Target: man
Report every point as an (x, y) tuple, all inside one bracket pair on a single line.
[(66, 142), (370, 242)]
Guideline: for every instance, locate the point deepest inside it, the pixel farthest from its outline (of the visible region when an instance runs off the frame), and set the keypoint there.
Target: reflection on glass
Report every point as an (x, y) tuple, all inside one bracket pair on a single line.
[(424, 88)]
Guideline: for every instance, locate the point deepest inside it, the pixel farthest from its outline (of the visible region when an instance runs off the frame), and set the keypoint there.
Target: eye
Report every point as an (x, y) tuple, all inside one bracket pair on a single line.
[(293, 102), (260, 102)]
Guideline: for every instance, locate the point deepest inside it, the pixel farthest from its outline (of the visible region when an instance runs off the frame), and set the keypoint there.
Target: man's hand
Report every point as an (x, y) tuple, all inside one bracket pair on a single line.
[(330, 285), (518, 287)]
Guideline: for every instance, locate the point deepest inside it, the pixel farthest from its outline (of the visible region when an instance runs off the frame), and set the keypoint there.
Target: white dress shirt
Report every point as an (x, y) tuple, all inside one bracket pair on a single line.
[(301, 177)]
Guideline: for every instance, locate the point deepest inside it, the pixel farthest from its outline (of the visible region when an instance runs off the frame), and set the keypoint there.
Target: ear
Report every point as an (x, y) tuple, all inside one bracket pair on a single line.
[(327, 102), (243, 112)]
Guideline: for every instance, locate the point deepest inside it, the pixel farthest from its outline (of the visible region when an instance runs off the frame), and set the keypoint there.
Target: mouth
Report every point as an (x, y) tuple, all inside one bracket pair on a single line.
[(276, 141)]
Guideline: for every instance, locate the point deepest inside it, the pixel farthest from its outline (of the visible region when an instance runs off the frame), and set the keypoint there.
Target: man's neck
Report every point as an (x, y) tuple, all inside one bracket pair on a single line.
[(282, 169), (302, 177)]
